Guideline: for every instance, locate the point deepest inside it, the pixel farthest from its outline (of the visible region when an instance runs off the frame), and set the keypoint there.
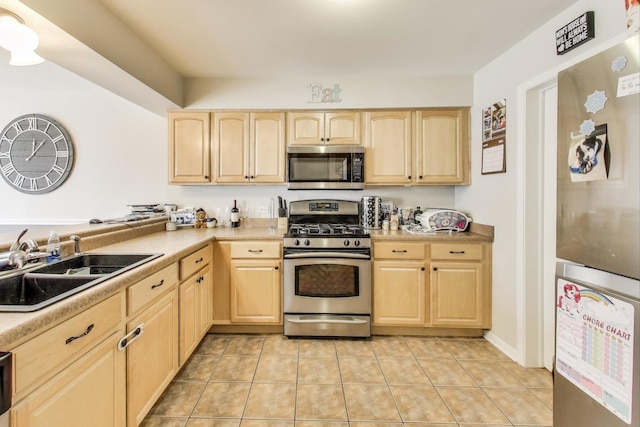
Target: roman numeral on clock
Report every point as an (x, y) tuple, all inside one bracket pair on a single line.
[(8, 169)]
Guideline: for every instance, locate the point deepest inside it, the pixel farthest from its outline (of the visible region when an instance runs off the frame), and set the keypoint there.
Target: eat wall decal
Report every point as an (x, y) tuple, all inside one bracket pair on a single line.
[(321, 95)]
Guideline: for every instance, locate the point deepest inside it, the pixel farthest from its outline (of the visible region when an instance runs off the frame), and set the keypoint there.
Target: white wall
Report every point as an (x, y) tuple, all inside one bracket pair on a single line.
[(356, 92), (498, 199), (121, 148)]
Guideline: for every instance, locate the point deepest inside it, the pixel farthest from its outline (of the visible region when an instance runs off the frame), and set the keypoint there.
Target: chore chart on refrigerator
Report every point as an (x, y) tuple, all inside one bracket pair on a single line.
[(595, 344)]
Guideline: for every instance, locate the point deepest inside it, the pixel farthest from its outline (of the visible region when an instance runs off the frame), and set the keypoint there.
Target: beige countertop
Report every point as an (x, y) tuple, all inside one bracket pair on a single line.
[(18, 327)]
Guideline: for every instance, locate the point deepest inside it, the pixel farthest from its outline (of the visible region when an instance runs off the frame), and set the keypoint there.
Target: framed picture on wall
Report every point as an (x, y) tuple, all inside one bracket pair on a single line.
[(494, 130), (494, 120)]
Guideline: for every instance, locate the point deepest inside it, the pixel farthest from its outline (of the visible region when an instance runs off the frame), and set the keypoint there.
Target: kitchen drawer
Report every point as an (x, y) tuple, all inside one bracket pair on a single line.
[(150, 288), (256, 250), (399, 250), (456, 251), (40, 358), (194, 262)]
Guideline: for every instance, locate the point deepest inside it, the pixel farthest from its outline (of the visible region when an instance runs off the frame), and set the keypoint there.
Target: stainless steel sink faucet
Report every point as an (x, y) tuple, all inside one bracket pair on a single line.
[(76, 240)]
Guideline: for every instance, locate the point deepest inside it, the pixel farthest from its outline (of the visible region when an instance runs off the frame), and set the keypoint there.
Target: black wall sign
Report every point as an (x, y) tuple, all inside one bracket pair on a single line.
[(575, 33)]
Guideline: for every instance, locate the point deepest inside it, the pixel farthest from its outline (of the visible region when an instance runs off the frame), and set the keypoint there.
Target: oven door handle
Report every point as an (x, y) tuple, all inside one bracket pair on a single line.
[(344, 255), (349, 322)]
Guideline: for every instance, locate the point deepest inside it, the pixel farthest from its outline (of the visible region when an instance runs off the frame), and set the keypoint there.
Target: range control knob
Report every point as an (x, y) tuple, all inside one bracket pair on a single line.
[(296, 242), (356, 243), (307, 242), (346, 242)]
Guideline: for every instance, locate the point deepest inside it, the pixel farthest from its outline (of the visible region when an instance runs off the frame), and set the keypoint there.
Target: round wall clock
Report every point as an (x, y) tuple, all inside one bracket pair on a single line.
[(36, 154)]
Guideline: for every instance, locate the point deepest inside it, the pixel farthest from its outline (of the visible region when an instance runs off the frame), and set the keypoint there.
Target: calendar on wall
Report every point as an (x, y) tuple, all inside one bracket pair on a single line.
[(494, 129)]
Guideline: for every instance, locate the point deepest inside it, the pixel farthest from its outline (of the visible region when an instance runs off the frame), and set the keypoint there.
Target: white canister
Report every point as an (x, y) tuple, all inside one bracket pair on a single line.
[(371, 212), (170, 226)]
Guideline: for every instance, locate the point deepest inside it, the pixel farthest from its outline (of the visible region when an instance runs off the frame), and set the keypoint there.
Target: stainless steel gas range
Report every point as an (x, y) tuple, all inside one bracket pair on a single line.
[(327, 271)]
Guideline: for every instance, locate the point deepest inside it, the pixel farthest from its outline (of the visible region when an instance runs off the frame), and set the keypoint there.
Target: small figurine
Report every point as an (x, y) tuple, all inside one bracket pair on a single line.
[(201, 218)]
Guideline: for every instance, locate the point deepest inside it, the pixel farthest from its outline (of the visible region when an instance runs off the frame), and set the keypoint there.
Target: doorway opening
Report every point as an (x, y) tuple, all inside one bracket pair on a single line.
[(536, 334)]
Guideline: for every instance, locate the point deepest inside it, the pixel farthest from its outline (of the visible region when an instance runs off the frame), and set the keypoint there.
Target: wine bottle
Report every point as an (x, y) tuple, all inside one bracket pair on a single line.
[(416, 214), (235, 215)]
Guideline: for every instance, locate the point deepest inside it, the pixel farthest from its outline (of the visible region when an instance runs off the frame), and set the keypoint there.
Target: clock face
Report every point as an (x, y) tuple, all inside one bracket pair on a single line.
[(36, 154)]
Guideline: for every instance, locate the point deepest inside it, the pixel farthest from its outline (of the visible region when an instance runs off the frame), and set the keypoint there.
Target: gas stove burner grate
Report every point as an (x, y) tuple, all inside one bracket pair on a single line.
[(327, 229)]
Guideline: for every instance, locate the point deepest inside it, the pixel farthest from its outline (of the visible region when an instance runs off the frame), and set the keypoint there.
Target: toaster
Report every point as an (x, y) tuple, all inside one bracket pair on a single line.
[(443, 219)]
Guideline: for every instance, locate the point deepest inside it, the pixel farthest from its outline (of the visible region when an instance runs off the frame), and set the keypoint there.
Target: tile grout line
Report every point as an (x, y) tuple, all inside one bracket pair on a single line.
[(386, 381), (436, 388)]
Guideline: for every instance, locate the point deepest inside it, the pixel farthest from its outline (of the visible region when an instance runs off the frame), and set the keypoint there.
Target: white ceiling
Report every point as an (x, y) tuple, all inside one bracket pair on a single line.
[(279, 38), (144, 50)]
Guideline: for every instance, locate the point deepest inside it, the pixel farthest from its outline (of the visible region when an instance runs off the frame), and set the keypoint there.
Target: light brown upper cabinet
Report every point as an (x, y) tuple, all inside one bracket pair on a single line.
[(434, 152), (249, 147), (388, 147), (189, 147), (318, 128), (442, 147)]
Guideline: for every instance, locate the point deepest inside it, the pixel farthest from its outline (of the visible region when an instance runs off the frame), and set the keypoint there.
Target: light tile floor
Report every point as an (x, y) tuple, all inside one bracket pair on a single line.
[(272, 381)]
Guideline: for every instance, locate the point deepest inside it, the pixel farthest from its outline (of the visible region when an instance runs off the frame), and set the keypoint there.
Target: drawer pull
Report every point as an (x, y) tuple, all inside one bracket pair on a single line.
[(131, 337), (398, 251), (255, 251), (158, 284), (457, 252), (84, 334), (199, 260)]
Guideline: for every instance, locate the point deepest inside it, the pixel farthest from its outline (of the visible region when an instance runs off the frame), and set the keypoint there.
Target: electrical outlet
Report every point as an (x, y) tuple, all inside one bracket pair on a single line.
[(261, 212)]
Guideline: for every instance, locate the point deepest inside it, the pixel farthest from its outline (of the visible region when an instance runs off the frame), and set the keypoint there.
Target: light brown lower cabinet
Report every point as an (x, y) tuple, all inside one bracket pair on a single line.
[(256, 282), (108, 365), (399, 284), (456, 294), (439, 285), (89, 392), (460, 284), (152, 359), (196, 293), (195, 311)]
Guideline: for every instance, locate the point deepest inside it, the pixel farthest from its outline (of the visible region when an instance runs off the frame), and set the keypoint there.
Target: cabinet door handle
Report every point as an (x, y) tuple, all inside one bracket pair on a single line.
[(277, 267), (198, 261), (456, 252), (246, 177), (420, 177), (435, 268), (399, 251), (206, 177), (255, 251), (157, 285), (131, 337), (422, 269), (409, 177), (84, 334)]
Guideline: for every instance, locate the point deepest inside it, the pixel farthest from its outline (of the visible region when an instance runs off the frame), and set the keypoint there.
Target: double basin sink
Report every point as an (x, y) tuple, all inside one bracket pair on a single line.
[(45, 285)]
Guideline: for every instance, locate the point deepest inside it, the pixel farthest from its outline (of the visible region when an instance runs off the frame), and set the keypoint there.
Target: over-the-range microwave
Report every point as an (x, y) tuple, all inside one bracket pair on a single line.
[(324, 167)]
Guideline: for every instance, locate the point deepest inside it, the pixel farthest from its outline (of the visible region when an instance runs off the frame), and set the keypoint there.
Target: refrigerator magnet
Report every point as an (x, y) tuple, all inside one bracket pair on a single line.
[(588, 159)]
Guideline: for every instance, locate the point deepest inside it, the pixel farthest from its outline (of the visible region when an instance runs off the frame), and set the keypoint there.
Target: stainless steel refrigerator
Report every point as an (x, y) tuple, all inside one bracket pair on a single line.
[(597, 369)]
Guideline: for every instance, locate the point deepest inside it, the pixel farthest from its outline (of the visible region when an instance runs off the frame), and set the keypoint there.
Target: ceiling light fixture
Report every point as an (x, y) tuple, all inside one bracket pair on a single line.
[(18, 39)]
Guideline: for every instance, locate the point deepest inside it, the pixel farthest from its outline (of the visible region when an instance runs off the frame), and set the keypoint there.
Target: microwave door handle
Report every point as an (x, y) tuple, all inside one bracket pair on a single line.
[(327, 255)]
